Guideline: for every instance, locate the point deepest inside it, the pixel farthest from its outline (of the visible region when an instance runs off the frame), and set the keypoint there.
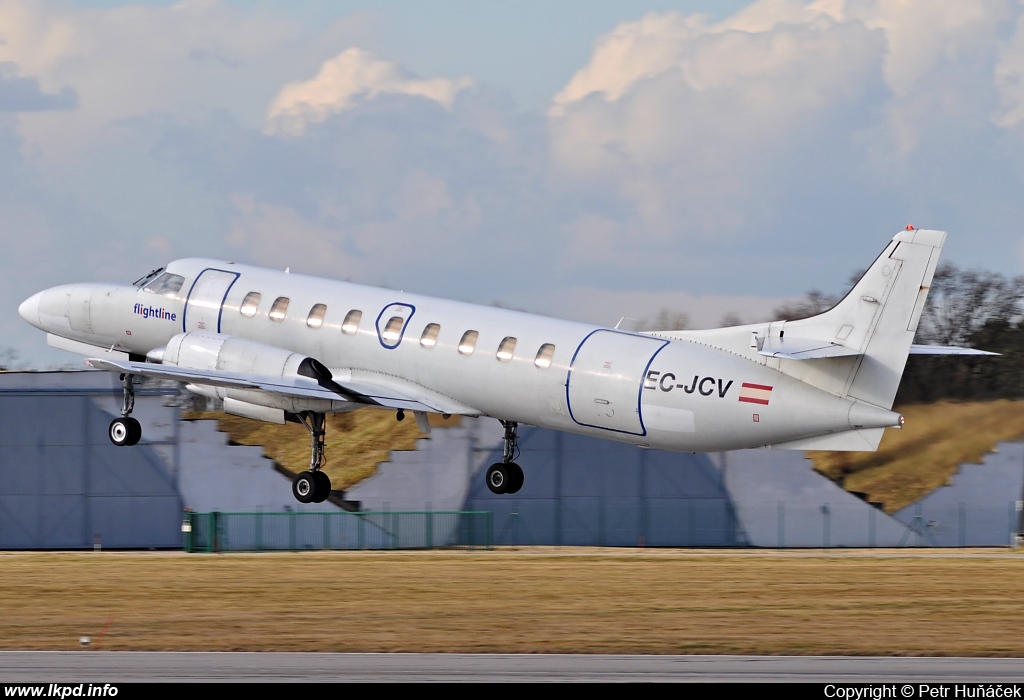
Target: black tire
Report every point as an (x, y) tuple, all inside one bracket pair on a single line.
[(498, 478), (304, 487), (121, 431), (515, 477), (136, 431), (323, 487)]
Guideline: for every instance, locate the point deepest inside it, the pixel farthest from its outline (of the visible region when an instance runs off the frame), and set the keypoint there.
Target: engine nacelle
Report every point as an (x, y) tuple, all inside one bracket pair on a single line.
[(225, 353)]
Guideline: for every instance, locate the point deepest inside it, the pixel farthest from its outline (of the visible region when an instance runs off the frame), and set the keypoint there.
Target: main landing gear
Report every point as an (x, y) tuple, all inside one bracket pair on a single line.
[(125, 431), (313, 486), (506, 476)]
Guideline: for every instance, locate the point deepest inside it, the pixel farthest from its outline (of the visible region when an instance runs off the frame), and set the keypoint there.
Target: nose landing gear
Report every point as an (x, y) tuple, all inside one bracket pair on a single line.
[(506, 476), (126, 431)]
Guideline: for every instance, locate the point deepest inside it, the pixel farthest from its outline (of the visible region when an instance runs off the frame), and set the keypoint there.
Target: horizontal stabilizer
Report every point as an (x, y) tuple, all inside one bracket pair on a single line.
[(796, 348), (946, 350)]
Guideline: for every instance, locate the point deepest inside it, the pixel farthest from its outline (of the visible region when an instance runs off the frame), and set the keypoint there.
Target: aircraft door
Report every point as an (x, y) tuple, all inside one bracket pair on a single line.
[(206, 300), (606, 377), (392, 322)]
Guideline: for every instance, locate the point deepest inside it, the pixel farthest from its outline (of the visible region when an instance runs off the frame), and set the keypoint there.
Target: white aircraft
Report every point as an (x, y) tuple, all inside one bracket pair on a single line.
[(276, 346)]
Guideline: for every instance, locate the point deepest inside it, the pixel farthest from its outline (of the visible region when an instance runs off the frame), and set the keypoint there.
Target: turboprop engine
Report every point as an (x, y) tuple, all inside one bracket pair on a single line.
[(216, 352)]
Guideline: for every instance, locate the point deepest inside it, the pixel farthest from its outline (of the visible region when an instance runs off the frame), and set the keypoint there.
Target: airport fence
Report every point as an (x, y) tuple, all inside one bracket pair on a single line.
[(340, 530), (719, 522), (612, 523)]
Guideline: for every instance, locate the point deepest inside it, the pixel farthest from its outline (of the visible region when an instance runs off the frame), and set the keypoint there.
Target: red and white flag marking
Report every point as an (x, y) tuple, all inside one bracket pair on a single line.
[(755, 393)]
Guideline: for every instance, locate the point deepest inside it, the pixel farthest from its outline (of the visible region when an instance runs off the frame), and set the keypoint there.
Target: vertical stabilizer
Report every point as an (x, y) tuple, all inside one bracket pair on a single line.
[(877, 319)]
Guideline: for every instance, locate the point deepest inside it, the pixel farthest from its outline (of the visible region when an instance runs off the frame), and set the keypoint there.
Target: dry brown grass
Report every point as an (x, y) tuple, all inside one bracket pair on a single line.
[(626, 602), (921, 457), (355, 442)]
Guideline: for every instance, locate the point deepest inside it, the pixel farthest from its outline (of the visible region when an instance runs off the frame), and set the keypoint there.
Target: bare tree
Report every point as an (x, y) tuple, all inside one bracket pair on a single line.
[(666, 320)]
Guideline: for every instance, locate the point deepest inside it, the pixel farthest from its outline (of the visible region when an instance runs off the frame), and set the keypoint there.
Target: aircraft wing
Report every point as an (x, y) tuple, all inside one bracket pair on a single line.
[(368, 390)]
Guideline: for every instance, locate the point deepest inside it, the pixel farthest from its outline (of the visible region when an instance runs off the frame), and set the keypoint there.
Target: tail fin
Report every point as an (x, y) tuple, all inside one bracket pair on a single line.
[(874, 324)]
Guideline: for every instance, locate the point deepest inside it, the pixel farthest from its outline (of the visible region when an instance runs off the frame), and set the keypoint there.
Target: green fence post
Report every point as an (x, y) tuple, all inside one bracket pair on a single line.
[(430, 529), (211, 532), (327, 530), (291, 531), (360, 529), (962, 526), (258, 539)]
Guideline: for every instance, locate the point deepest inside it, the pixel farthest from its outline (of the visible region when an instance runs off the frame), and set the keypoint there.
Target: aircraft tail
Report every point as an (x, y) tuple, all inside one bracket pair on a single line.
[(860, 346)]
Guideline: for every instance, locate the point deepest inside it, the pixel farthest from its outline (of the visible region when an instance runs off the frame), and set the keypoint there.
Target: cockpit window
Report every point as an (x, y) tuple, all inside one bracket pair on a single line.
[(143, 281), (165, 285)]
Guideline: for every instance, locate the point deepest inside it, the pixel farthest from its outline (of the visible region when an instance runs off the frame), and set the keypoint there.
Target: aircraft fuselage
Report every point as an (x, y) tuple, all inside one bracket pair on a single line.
[(641, 388)]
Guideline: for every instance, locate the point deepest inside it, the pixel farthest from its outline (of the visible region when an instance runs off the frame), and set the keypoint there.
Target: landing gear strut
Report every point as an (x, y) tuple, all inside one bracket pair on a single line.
[(506, 476), (313, 486), (125, 431)]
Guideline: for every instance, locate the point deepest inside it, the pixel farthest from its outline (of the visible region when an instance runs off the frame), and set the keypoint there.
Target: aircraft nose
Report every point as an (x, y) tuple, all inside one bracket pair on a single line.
[(29, 309)]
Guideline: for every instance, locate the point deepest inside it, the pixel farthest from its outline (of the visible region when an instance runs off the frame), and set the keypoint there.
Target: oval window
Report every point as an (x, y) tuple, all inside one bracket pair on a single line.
[(279, 309), (351, 323), (316, 316), (393, 331), (468, 342), (505, 350), (250, 304), (544, 355), (429, 337)]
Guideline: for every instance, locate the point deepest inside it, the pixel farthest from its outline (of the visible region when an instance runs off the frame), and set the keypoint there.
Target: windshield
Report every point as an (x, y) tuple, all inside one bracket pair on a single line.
[(166, 285), (143, 281)]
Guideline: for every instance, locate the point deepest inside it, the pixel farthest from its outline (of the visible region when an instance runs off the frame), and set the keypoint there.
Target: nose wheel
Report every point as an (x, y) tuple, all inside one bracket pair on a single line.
[(506, 476), (126, 431)]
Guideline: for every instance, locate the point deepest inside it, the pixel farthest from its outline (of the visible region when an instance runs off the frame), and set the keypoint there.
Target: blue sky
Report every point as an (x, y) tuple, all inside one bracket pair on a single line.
[(589, 160)]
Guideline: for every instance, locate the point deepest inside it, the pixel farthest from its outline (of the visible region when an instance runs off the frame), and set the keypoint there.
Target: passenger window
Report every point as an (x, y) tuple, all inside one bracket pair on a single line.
[(429, 337), (392, 332), (544, 355), (468, 342), (351, 323), (279, 309), (505, 350), (250, 304), (316, 316), (165, 285)]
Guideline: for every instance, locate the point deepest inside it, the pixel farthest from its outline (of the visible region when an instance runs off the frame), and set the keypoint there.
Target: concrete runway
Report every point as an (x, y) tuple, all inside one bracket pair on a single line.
[(125, 667)]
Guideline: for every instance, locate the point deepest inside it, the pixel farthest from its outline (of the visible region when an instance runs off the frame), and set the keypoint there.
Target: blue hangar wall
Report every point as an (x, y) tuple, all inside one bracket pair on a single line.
[(63, 485)]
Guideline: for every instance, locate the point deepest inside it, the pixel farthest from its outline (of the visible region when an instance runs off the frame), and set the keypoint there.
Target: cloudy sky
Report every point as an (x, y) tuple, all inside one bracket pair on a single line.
[(582, 158)]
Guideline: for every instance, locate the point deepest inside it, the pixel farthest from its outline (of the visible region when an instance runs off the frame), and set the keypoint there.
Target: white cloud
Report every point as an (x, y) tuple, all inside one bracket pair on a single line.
[(698, 130), (342, 81)]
